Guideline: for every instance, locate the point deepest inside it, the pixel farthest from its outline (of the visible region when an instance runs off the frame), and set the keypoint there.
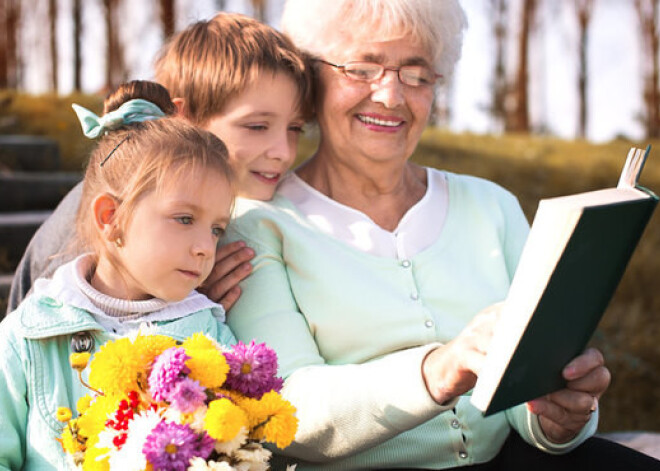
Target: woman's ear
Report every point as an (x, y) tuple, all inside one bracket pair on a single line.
[(180, 105), (104, 207)]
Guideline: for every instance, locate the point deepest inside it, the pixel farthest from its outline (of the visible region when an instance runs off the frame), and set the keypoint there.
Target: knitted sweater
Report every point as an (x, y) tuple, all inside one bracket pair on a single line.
[(351, 330)]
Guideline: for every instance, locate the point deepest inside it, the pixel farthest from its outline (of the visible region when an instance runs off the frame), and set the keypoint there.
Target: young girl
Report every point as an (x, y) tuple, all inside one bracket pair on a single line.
[(157, 195)]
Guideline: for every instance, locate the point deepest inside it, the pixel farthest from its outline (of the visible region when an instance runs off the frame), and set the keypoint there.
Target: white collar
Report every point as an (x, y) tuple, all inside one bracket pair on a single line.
[(413, 234)]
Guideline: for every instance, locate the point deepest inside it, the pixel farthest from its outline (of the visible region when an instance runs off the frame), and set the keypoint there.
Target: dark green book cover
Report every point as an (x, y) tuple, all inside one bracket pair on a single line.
[(574, 300)]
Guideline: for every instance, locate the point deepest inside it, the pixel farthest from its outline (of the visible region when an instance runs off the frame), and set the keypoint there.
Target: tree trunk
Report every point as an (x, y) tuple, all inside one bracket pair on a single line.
[(584, 10), (167, 17), (77, 40), (519, 121), (52, 23), (115, 68), (647, 11), (9, 22), (499, 9), (259, 8)]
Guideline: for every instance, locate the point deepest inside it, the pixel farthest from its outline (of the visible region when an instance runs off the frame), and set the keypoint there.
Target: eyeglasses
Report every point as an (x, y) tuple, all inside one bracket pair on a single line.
[(412, 75)]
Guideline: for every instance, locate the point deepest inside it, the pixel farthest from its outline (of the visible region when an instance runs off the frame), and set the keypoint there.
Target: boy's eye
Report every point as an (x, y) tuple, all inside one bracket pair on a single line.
[(218, 231), (184, 220), (256, 127)]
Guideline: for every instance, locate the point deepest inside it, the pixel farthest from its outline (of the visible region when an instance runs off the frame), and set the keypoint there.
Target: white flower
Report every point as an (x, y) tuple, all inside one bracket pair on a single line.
[(252, 457), (199, 464), (130, 457), (227, 448)]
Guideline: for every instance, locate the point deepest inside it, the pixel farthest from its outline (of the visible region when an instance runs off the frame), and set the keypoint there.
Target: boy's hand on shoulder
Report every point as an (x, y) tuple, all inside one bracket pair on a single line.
[(232, 265)]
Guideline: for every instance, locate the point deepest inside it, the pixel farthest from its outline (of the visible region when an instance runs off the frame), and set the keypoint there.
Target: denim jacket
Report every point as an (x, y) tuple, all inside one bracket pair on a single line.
[(35, 344)]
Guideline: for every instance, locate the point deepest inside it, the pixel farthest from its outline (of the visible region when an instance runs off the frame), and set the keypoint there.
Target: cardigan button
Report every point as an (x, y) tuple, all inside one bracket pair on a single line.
[(82, 342), (463, 454), (455, 423), (406, 264)]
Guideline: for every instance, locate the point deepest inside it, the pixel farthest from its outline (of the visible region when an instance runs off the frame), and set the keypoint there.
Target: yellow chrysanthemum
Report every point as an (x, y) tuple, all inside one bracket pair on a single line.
[(224, 420), (79, 360), (92, 422), (199, 340), (63, 414), (96, 459), (68, 439), (148, 347), (83, 404), (115, 367), (276, 416), (208, 366)]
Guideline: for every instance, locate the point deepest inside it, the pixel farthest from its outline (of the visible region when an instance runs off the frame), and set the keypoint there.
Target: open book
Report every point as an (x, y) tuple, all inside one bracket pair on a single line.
[(572, 262)]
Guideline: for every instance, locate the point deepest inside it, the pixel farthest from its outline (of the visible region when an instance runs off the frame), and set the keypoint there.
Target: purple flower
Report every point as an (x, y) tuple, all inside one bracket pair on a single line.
[(252, 369), (171, 446), (186, 395), (167, 371)]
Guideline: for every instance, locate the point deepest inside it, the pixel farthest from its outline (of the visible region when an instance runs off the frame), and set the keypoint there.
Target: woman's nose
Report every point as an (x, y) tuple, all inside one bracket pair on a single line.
[(388, 90)]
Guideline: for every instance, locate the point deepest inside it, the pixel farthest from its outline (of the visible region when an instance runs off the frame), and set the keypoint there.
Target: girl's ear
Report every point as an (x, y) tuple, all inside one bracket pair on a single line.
[(180, 105), (104, 207)]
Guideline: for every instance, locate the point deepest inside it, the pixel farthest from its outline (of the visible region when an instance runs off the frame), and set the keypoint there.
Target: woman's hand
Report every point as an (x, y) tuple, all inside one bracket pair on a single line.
[(452, 370), (564, 413), (232, 265)]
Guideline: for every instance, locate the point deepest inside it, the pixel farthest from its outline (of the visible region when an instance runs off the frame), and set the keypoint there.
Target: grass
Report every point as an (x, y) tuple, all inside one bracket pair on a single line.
[(532, 168)]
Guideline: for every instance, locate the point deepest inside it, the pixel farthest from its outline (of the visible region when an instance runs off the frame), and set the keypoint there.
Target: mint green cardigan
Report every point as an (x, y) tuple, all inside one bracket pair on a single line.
[(351, 330)]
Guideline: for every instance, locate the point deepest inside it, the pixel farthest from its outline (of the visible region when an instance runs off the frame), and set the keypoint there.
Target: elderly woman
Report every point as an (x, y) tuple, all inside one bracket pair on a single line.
[(374, 277)]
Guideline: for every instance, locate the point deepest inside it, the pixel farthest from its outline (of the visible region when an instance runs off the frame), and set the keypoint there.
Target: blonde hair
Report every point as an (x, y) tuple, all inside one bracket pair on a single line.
[(212, 61), (321, 27), (141, 158)]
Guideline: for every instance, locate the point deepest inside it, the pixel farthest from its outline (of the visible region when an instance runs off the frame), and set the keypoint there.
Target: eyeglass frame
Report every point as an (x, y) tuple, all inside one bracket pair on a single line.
[(342, 68)]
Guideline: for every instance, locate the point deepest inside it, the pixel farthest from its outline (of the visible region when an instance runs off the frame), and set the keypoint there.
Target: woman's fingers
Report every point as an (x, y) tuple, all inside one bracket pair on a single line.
[(452, 369)]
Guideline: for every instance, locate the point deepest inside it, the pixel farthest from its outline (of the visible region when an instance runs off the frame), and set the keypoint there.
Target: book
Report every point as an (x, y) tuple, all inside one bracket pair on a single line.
[(575, 255)]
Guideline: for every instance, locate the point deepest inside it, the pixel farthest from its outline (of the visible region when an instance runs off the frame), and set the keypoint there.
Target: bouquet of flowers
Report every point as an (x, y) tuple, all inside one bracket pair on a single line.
[(158, 404)]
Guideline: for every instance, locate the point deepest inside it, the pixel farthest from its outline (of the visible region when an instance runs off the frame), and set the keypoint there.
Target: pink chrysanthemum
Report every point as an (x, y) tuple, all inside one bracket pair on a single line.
[(171, 446), (252, 369), (167, 371), (186, 395)]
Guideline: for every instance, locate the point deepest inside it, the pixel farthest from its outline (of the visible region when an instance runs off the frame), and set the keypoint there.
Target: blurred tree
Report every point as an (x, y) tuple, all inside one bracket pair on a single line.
[(647, 12), (259, 9), (52, 29), (518, 119), (584, 10), (77, 41), (167, 17), (115, 66), (500, 86), (10, 14)]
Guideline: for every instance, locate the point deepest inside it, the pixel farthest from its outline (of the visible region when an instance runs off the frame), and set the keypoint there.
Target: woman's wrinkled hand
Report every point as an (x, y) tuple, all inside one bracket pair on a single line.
[(564, 413), (452, 369), (232, 265)]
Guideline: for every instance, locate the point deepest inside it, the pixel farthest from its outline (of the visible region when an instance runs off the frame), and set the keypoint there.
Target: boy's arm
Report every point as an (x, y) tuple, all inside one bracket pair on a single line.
[(51, 246)]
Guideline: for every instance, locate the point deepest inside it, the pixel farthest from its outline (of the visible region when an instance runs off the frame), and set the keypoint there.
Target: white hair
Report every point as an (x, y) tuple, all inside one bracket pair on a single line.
[(321, 27)]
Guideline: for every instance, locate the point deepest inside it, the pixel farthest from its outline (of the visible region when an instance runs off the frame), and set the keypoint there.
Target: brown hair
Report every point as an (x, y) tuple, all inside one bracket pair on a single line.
[(140, 158), (212, 61), (151, 91)]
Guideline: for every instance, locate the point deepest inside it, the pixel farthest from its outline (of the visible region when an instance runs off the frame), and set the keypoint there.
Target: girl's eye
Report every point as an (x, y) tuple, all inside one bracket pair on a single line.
[(298, 128), (218, 231), (187, 220)]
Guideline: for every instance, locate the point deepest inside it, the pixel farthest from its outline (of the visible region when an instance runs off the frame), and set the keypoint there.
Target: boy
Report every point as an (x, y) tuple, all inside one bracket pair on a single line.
[(238, 78)]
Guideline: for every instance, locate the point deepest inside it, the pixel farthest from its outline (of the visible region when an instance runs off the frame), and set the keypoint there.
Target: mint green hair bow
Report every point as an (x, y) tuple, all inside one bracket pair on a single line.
[(133, 111)]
